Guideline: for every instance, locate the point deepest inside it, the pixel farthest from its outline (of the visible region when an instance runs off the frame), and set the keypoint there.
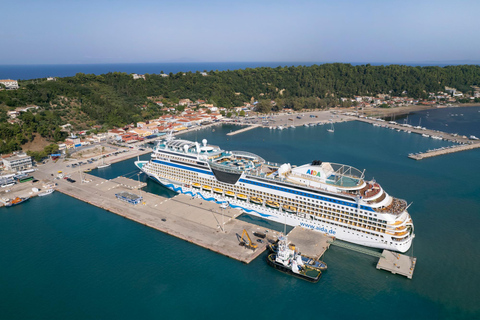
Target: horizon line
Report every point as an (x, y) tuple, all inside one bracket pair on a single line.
[(474, 62)]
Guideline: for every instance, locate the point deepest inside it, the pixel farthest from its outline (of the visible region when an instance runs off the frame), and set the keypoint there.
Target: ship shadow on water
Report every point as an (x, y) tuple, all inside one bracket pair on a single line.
[(264, 223)]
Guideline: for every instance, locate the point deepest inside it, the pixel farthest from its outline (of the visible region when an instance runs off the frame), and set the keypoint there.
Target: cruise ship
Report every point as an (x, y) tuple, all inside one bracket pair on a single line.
[(327, 197)]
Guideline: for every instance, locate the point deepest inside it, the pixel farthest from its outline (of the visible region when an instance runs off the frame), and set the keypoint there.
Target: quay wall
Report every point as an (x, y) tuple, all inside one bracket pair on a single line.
[(192, 220)]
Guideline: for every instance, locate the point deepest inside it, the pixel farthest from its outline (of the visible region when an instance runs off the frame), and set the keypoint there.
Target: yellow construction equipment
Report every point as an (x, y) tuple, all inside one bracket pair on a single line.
[(248, 243)]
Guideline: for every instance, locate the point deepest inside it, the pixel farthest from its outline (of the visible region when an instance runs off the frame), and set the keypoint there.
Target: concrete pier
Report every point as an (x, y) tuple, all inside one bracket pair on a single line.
[(253, 126), (397, 263), (310, 243), (398, 126), (194, 220), (434, 153)]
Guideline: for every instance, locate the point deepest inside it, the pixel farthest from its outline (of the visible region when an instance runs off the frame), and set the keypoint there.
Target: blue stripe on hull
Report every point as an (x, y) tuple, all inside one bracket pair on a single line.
[(172, 187)]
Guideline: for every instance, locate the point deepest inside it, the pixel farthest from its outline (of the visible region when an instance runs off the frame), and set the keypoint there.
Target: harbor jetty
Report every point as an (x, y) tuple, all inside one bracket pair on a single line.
[(312, 244), (194, 220), (250, 127), (438, 152), (463, 143)]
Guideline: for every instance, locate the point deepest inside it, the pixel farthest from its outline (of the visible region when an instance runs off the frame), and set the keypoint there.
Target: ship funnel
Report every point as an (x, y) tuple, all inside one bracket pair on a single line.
[(284, 168)]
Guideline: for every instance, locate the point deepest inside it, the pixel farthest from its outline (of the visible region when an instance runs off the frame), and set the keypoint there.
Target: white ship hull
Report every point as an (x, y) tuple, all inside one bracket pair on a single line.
[(280, 216), (327, 197)]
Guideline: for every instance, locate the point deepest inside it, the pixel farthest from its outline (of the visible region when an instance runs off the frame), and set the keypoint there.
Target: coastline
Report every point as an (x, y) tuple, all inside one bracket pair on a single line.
[(404, 110)]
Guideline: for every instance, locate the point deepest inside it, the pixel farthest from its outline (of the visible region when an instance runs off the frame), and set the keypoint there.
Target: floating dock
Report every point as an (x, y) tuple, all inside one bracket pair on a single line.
[(397, 263)]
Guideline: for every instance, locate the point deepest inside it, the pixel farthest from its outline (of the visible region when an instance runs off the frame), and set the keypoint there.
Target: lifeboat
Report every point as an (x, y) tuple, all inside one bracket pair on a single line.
[(229, 194), (272, 204), (217, 190), (196, 185), (208, 188), (256, 200), (242, 197), (288, 208)]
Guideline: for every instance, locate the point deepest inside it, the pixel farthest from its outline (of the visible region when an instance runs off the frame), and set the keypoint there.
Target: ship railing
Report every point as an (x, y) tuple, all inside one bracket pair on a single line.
[(273, 164), (397, 207), (248, 154), (285, 181), (227, 168)]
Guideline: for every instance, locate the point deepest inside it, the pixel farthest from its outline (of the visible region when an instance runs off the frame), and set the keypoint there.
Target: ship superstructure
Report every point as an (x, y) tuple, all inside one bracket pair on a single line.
[(326, 197)]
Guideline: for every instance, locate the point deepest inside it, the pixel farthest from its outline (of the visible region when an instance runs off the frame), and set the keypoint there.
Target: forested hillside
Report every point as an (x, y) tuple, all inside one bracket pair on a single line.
[(114, 99)]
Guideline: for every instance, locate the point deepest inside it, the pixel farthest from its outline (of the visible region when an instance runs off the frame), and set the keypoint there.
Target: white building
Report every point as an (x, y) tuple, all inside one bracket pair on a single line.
[(9, 84), (18, 162), (138, 76), (13, 114)]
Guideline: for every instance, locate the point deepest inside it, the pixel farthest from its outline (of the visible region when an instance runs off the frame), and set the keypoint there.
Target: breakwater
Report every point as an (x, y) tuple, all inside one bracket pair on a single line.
[(462, 142)]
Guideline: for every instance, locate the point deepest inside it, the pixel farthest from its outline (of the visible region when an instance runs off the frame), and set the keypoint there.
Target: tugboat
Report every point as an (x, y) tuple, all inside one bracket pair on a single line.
[(289, 261), (313, 263), (15, 201)]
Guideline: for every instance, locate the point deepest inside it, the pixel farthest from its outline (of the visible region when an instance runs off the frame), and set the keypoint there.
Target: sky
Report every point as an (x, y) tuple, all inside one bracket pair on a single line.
[(147, 31)]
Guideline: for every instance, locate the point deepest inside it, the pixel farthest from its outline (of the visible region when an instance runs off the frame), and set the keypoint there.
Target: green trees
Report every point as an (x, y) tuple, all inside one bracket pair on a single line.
[(116, 99), (40, 155), (264, 106)]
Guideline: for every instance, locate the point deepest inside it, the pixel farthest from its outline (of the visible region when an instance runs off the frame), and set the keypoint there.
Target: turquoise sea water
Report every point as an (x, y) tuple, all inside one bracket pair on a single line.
[(61, 258)]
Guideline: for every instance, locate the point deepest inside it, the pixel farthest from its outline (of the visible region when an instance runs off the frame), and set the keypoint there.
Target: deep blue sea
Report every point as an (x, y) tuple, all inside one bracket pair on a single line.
[(460, 120), (24, 72), (64, 259)]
